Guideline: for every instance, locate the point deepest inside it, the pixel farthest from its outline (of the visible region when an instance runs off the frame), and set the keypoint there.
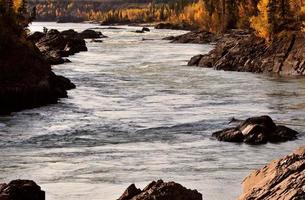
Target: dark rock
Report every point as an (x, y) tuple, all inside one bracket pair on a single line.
[(97, 41), (130, 192), (196, 37), (181, 26), (281, 179), (169, 38), (245, 52), (36, 36), (145, 29), (256, 130), (21, 190), (26, 79), (162, 191), (195, 60), (91, 34), (54, 45), (229, 135)]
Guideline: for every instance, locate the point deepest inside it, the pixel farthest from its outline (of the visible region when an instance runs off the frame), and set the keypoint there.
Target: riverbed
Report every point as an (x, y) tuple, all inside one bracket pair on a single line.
[(140, 114)]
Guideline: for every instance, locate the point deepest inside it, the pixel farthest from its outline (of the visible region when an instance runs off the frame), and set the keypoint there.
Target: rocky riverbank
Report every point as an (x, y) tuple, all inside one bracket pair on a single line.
[(281, 179), (55, 45), (26, 79), (196, 37), (245, 52)]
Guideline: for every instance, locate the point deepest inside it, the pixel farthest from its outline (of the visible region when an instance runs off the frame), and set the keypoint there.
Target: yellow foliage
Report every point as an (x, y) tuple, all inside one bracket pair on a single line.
[(260, 23)]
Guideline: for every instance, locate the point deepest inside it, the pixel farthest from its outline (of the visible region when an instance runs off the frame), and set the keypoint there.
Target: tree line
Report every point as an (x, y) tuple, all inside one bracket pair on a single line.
[(16, 16)]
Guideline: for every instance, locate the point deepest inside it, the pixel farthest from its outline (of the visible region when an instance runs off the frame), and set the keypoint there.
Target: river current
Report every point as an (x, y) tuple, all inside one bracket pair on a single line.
[(140, 114)]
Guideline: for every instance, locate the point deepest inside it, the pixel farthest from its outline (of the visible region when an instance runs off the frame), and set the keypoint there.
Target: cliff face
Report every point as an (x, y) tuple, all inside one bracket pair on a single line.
[(281, 179), (26, 80), (244, 52)]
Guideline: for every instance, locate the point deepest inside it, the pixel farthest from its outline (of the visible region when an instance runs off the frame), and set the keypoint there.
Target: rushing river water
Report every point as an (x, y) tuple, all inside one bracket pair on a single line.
[(140, 114)]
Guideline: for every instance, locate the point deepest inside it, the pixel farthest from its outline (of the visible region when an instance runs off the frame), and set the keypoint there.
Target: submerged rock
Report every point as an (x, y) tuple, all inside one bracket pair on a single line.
[(143, 30), (245, 52), (21, 190), (257, 130), (197, 37), (281, 179), (160, 191)]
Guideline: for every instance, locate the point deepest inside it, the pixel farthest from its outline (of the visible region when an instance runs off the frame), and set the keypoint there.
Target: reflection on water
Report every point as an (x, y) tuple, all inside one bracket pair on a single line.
[(139, 114)]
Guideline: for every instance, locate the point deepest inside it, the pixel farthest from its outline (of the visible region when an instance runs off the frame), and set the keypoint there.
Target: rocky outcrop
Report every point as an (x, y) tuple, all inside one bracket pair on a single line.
[(21, 190), (281, 179), (181, 26), (55, 45), (256, 130), (26, 80), (245, 52), (197, 37), (160, 191)]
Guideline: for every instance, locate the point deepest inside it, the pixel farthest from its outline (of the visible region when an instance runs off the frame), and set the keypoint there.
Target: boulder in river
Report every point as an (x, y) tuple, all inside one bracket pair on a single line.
[(55, 45), (281, 179), (160, 191), (91, 34), (245, 52), (257, 130), (143, 30), (21, 190)]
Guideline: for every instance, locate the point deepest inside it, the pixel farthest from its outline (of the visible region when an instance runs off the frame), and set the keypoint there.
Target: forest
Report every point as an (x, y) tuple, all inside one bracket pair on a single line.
[(267, 17)]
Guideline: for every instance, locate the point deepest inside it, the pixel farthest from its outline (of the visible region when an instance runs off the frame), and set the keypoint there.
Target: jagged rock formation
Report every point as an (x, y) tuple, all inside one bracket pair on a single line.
[(196, 37), (245, 52), (281, 179), (160, 191), (55, 45), (21, 190), (256, 130)]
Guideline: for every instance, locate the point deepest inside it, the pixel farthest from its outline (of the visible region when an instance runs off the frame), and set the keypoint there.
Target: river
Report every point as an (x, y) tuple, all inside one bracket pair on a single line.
[(140, 114)]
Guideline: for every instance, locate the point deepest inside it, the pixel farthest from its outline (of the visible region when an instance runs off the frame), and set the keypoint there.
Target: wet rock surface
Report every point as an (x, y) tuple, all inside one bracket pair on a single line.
[(242, 51), (91, 34), (196, 37), (160, 191), (281, 179), (257, 130), (55, 45), (21, 190)]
